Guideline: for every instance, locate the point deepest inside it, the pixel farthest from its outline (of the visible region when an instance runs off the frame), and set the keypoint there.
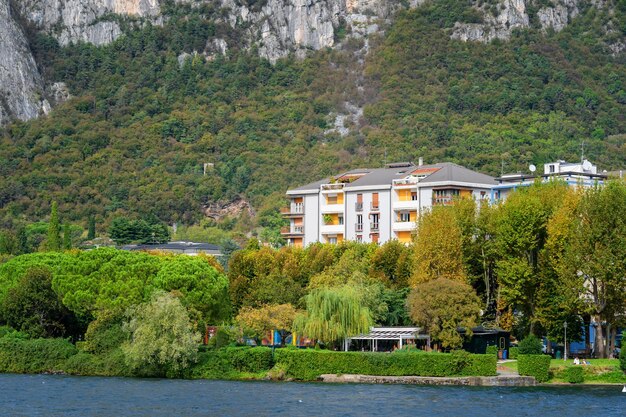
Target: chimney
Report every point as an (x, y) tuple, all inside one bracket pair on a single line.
[(420, 161)]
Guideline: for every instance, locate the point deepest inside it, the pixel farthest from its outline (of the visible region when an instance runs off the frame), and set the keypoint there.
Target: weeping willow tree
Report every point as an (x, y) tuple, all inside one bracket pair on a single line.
[(333, 314)]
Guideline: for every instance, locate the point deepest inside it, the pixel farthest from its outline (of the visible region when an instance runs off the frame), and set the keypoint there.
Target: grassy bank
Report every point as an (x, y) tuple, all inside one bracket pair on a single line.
[(600, 371), (61, 356)]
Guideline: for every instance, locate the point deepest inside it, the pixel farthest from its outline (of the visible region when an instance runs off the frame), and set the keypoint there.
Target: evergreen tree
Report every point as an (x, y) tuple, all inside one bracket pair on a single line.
[(54, 229), (91, 228), (67, 237)]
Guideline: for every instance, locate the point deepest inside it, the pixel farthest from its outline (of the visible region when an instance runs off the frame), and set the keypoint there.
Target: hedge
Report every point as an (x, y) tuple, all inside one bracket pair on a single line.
[(513, 352), (622, 357), (232, 362), (34, 355), (574, 375), (310, 364), (537, 366), (492, 350)]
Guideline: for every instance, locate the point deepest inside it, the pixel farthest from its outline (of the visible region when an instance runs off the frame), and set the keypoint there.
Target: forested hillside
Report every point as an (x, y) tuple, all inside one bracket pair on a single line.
[(143, 119)]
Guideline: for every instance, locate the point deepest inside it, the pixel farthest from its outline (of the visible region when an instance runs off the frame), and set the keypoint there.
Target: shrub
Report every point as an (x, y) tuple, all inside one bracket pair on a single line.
[(492, 350), (513, 352), (531, 345), (574, 374), (230, 363), (310, 364), (537, 366), (622, 358), (33, 356)]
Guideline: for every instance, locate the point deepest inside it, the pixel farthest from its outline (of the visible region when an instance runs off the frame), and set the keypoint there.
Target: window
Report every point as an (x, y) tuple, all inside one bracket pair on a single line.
[(552, 169), (374, 237), (375, 201), (414, 196), (374, 221), (405, 216), (340, 218), (359, 223), (359, 202), (332, 239), (359, 238), (331, 199)]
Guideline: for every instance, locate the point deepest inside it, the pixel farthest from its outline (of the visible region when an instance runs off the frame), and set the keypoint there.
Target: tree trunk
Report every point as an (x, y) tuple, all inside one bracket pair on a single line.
[(598, 345), (587, 321)]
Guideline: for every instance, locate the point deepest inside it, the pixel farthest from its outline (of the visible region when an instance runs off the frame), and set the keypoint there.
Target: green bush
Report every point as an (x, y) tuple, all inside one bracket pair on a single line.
[(112, 363), (574, 374), (513, 352), (622, 358), (531, 345), (492, 350), (35, 355), (230, 363), (537, 366), (310, 364)]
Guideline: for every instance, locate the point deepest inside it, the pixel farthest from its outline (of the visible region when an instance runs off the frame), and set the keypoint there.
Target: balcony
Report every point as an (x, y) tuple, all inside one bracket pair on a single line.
[(295, 210), (358, 206), (333, 187), (292, 231), (405, 205), (443, 200), (374, 227), (358, 227), (331, 208), (406, 181), (399, 226), (332, 229)]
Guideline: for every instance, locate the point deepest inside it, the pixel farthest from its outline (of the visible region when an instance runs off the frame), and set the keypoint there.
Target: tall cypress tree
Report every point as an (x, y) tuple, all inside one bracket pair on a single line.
[(67, 237), (91, 228), (54, 229)]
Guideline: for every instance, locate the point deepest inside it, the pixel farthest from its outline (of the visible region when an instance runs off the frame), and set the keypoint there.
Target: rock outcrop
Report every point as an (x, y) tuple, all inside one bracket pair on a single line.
[(514, 14), (91, 21), (21, 86)]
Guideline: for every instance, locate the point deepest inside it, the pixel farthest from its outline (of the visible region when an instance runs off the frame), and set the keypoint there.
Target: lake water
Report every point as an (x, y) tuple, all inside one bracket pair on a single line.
[(49, 395)]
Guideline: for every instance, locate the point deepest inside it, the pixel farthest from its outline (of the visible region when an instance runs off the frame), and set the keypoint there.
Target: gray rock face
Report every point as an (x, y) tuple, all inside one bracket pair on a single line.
[(20, 83), (85, 20), (513, 14)]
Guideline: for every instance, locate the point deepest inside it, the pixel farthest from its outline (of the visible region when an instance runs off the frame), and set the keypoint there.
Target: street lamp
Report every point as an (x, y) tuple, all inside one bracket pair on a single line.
[(565, 344)]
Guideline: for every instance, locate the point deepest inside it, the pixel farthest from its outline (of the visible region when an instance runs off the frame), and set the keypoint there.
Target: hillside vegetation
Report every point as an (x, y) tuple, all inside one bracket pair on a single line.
[(134, 138)]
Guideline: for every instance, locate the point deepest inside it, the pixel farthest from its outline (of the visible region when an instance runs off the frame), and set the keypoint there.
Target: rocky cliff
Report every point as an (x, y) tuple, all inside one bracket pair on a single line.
[(20, 83), (276, 27)]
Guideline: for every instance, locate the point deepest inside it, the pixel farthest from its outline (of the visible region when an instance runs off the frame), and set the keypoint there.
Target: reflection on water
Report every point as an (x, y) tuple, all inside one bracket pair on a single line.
[(47, 395)]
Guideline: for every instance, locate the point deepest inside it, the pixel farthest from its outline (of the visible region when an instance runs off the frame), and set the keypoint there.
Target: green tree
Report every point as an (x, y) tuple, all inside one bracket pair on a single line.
[(67, 237), (268, 318), (54, 229), (438, 247), (441, 306), (333, 314), (594, 259), (33, 307), (91, 228), (162, 339)]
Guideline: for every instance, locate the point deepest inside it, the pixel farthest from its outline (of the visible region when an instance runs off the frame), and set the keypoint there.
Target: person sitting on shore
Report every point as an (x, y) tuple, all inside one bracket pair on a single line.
[(576, 361)]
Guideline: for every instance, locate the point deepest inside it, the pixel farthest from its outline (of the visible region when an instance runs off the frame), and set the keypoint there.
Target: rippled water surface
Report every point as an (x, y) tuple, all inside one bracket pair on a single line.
[(47, 395)]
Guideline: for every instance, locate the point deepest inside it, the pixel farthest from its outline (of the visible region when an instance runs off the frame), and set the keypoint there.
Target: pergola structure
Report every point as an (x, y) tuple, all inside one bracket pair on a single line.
[(399, 334)]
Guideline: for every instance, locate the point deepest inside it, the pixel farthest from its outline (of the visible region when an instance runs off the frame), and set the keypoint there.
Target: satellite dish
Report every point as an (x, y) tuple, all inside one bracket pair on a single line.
[(587, 165), (532, 168)]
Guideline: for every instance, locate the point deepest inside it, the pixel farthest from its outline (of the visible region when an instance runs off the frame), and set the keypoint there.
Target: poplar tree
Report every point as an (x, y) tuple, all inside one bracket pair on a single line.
[(67, 237), (54, 229)]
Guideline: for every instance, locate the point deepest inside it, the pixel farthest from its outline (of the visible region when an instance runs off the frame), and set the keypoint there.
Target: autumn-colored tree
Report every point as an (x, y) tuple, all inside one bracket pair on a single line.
[(443, 305), (268, 318), (438, 247)]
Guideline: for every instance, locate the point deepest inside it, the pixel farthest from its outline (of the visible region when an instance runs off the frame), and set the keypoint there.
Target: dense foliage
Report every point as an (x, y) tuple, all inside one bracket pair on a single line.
[(310, 364), (134, 139), (537, 366)]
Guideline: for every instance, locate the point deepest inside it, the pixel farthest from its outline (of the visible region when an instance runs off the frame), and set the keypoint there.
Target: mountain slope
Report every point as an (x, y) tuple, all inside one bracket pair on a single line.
[(145, 119)]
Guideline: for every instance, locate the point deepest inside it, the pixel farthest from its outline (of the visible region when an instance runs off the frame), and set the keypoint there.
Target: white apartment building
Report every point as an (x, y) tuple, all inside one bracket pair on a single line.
[(582, 174), (376, 205)]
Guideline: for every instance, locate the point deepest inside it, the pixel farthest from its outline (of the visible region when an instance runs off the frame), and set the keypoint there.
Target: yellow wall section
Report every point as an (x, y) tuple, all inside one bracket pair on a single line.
[(335, 199), (334, 219), (404, 195), (413, 216), (404, 237), (297, 243), (465, 193), (339, 238)]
